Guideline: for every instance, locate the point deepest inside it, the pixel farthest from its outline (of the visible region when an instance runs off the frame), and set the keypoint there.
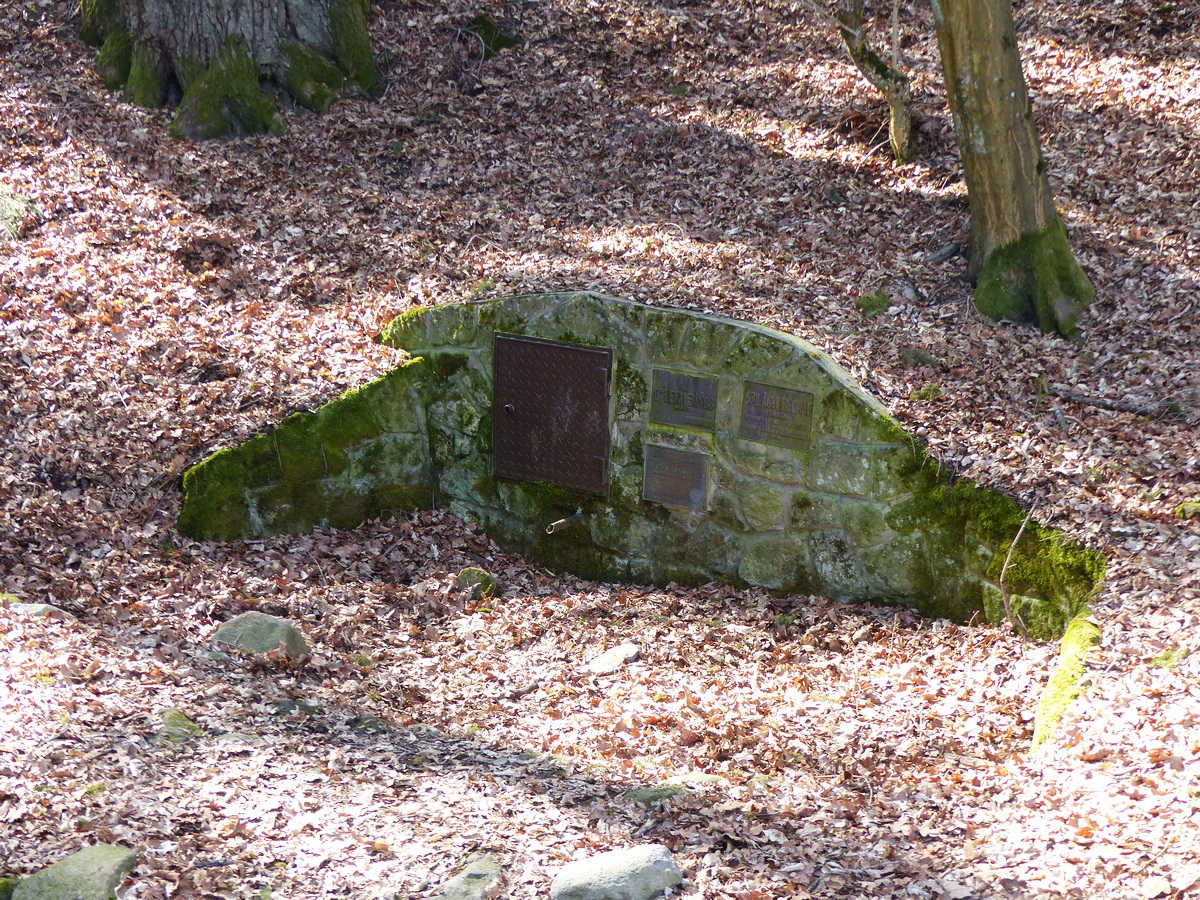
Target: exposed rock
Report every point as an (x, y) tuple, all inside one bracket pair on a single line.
[(92, 873), (612, 660), (633, 873), (480, 878), (648, 796), (176, 727), (261, 633), (37, 609), (479, 582)]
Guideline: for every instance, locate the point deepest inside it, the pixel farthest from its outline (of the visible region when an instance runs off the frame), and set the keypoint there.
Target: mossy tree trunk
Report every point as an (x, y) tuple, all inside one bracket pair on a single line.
[(887, 79), (214, 56), (1020, 258)]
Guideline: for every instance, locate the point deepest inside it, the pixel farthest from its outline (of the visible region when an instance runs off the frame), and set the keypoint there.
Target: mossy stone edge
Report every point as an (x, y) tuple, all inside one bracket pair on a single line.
[(1062, 687)]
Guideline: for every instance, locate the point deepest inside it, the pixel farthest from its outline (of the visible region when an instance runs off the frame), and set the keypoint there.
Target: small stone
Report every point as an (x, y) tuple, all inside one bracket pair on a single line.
[(92, 873), (481, 877), (648, 796), (45, 610), (176, 727), (260, 633), (479, 582), (633, 873), (612, 660)]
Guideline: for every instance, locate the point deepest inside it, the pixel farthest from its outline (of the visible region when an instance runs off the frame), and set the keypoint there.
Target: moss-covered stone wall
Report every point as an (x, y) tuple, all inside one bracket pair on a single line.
[(823, 493)]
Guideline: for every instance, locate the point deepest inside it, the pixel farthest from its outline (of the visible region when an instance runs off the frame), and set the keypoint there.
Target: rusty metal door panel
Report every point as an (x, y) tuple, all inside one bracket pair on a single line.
[(550, 412)]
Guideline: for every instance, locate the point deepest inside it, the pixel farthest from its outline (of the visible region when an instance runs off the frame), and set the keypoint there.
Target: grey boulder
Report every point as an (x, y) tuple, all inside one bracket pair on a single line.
[(260, 633), (92, 873), (480, 878), (632, 873)]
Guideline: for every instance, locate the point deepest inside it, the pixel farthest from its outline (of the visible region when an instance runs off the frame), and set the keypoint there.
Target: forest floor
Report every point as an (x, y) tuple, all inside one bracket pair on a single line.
[(164, 299)]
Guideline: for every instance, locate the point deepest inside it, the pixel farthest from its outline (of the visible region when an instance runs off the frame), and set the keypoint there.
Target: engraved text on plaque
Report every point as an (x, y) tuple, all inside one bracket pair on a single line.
[(777, 415), (675, 477), (677, 398)]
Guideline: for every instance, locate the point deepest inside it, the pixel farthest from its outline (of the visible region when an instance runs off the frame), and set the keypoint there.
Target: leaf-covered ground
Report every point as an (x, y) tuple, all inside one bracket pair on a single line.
[(166, 299)]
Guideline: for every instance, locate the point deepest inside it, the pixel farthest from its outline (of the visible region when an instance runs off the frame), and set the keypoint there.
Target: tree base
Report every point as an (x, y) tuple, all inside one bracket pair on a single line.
[(1036, 280), (224, 90)]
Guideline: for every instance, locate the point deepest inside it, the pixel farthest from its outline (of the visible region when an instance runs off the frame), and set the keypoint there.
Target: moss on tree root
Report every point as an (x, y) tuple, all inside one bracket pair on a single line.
[(351, 43), (226, 99), (145, 85), (1035, 279), (115, 59), (223, 96), (96, 19), (309, 77)]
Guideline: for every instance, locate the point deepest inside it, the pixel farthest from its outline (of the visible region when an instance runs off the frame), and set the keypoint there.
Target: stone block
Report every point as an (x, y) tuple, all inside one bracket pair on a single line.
[(92, 873)]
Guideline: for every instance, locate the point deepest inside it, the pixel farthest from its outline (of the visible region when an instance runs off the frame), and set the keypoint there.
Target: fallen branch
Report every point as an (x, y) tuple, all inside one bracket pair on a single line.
[(1008, 610), (1137, 407)]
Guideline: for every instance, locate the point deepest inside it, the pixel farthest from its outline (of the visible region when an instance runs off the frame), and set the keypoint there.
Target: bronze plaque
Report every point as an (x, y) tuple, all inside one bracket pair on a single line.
[(680, 399), (777, 415), (550, 404), (675, 477)]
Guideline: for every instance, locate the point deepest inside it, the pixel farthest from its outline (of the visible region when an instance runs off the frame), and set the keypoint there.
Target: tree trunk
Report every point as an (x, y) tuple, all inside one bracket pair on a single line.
[(889, 80), (1020, 258), (213, 55)]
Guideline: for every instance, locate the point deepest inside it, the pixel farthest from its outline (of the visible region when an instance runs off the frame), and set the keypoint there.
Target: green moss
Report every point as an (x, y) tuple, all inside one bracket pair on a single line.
[(145, 83), (390, 499), (1188, 511), (446, 365), (1045, 567), (874, 304), (554, 497), (96, 18), (226, 99), (13, 211), (479, 582), (215, 500), (352, 43), (706, 343), (648, 796), (407, 331), (309, 77), (311, 469), (296, 507), (629, 390), (1035, 279), (931, 391), (115, 59), (756, 350), (1170, 659), (189, 72), (1063, 686), (487, 38), (176, 727)]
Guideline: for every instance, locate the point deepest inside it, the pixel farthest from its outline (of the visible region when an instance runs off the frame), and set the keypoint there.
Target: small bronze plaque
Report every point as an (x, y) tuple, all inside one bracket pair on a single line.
[(776, 415), (680, 399), (675, 477), (550, 403)]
